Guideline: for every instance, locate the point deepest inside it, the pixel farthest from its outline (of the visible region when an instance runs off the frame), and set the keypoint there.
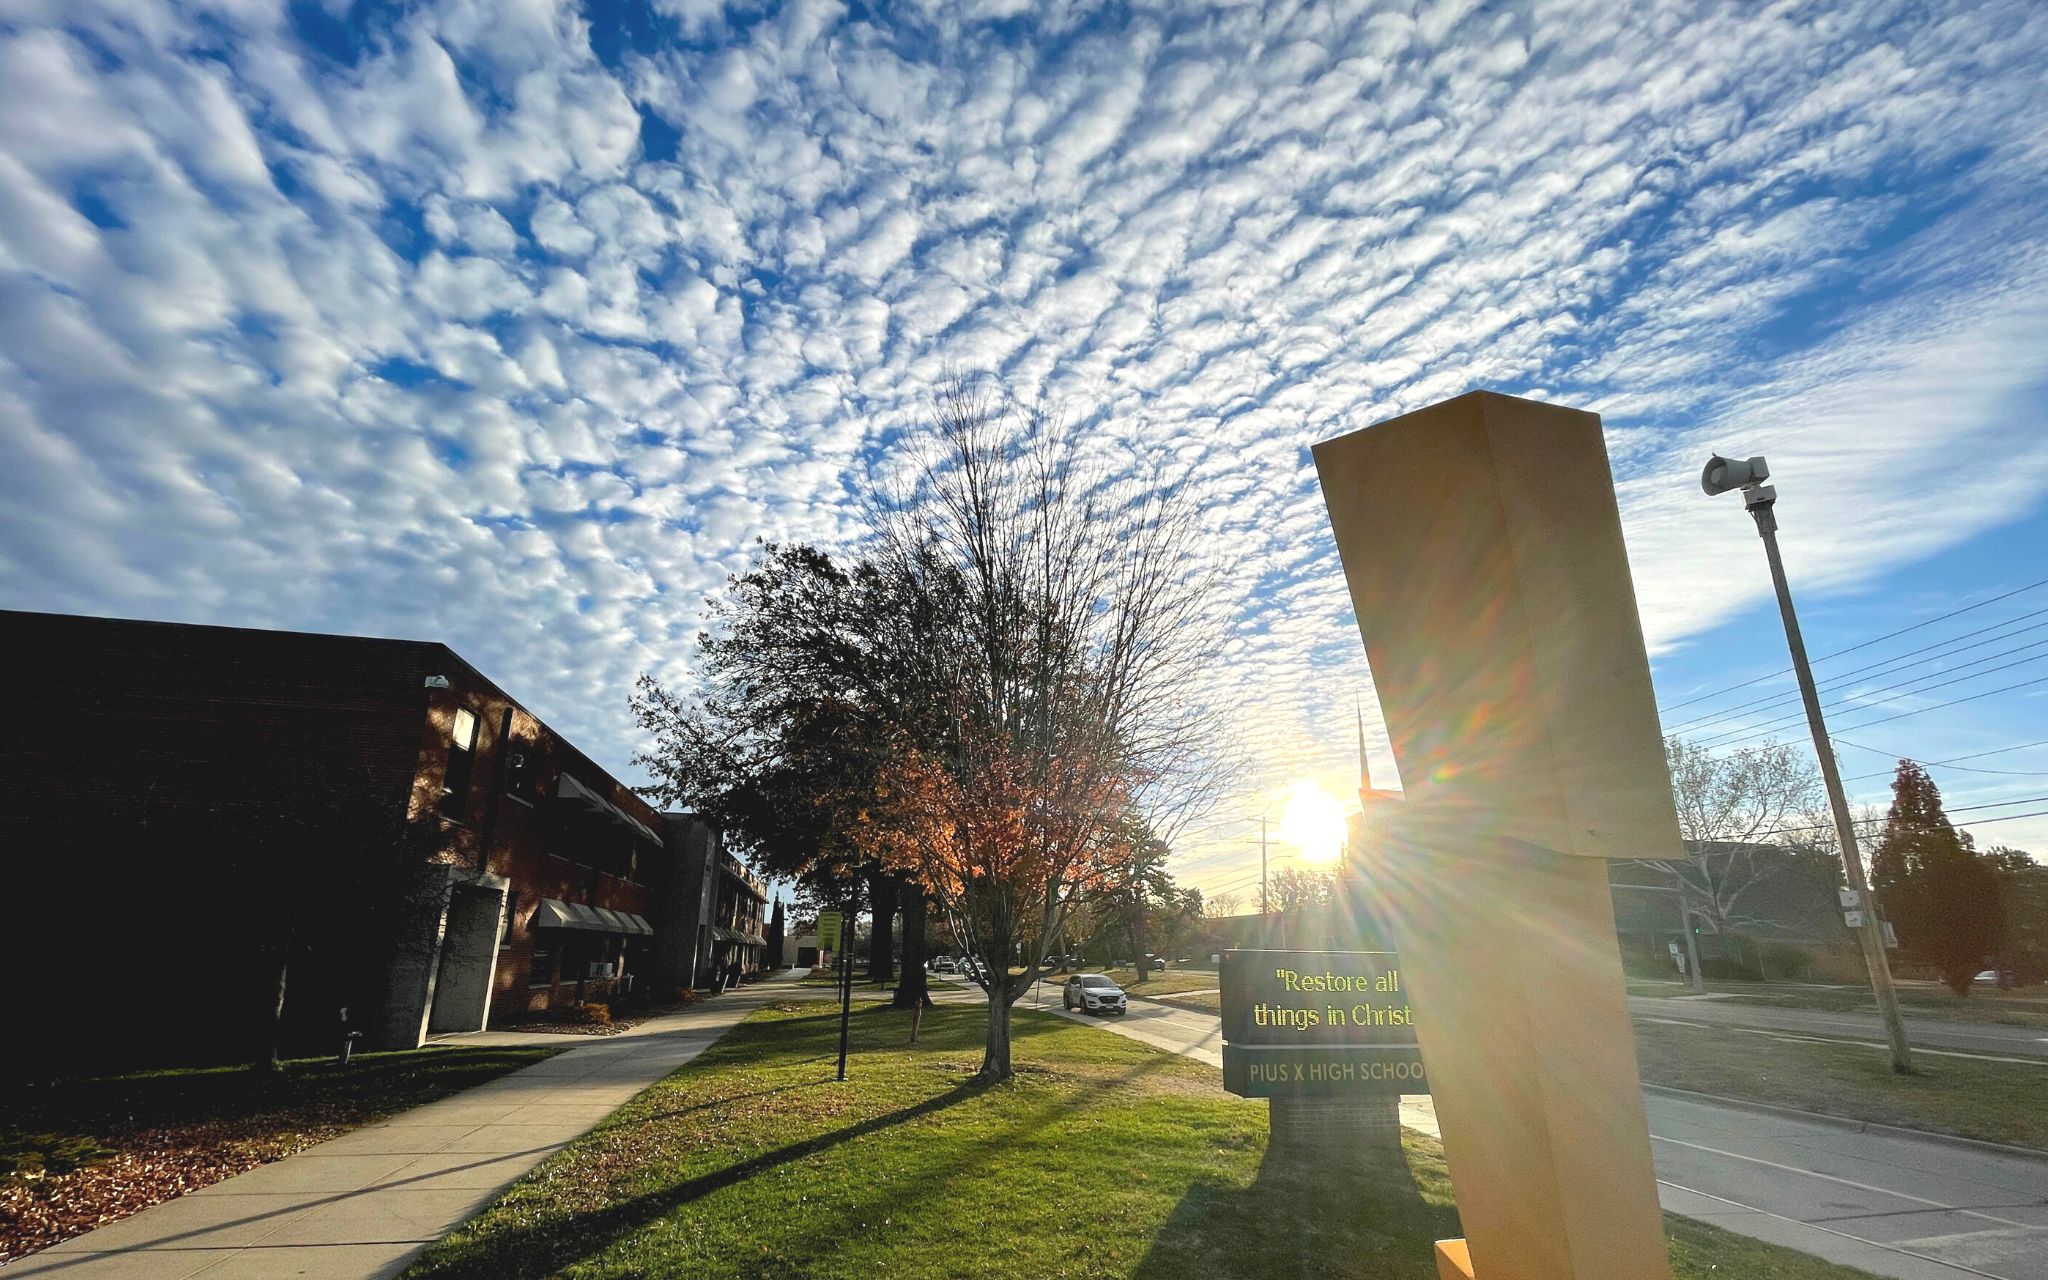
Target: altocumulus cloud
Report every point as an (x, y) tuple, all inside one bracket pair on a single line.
[(513, 325)]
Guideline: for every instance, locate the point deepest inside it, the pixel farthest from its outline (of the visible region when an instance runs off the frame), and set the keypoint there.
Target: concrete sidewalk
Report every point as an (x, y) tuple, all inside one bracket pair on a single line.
[(362, 1205)]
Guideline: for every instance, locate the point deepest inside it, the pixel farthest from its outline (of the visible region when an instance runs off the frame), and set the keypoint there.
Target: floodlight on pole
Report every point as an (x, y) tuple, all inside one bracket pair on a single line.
[(1722, 475)]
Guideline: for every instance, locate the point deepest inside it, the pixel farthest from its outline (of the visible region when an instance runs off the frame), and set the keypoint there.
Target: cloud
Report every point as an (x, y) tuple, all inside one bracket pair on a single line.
[(514, 327)]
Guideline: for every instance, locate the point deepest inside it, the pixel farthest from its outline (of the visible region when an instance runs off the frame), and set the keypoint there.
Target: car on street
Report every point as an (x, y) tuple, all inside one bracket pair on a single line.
[(1092, 993), (945, 964)]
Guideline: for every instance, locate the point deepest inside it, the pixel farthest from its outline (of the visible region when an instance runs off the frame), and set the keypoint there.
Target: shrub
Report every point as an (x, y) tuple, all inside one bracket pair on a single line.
[(1783, 960), (593, 1014)]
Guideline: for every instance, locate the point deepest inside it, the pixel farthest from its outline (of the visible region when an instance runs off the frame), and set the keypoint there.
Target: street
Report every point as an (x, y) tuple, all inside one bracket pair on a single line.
[(1959, 1037), (1895, 1205)]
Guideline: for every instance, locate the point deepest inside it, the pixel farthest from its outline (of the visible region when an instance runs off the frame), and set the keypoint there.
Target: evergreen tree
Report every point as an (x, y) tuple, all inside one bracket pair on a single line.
[(1940, 894)]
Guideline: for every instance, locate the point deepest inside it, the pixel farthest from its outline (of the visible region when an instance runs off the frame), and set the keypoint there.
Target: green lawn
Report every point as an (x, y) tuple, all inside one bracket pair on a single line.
[(1993, 1101), (146, 1137), (1201, 1002), (1159, 982), (1103, 1158), (2024, 1008)]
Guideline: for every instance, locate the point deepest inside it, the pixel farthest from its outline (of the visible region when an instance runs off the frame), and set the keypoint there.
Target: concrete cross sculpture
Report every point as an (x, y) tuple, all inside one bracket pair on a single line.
[(1482, 545)]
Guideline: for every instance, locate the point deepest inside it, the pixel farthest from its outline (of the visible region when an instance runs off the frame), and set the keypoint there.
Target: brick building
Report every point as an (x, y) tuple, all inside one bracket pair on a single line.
[(219, 819)]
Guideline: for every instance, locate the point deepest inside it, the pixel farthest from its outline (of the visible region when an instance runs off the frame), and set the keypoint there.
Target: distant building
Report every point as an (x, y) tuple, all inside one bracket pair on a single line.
[(777, 956), (1783, 918), (738, 943), (190, 803)]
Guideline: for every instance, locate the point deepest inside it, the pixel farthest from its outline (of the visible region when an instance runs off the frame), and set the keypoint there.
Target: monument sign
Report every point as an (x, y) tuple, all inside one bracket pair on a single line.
[(1324, 1024)]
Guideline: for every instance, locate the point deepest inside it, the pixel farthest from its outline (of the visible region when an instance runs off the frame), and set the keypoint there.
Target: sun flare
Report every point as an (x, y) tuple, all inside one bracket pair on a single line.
[(1312, 821)]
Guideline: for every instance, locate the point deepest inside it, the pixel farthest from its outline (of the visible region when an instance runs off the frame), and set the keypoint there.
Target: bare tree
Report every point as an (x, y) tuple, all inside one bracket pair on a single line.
[(1741, 815), (1217, 905), (991, 702), (1076, 621)]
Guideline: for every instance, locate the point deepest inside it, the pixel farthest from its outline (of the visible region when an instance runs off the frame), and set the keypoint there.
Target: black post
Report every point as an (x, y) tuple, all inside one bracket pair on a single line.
[(845, 986)]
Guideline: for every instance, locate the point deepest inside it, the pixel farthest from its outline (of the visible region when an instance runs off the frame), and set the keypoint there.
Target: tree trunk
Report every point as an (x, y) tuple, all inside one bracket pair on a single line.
[(995, 1051), (266, 1057), (913, 987), (881, 946), (1138, 943)]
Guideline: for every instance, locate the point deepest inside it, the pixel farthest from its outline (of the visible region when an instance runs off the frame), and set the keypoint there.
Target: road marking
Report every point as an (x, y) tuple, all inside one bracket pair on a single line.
[(1796, 1037), (1847, 1182), (1814, 1226)]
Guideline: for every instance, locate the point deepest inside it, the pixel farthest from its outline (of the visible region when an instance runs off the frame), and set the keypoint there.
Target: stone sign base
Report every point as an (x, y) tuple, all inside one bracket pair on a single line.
[(1330, 1125)]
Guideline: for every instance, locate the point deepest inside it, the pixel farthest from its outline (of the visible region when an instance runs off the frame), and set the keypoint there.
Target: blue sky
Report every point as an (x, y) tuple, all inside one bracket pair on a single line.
[(513, 325)]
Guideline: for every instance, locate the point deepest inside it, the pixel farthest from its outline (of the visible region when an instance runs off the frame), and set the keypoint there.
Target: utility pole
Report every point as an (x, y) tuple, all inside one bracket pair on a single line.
[(1760, 500)]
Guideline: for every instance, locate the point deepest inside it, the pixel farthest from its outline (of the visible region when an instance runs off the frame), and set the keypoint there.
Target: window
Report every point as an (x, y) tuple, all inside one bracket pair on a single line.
[(542, 972), (522, 768), (461, 761)]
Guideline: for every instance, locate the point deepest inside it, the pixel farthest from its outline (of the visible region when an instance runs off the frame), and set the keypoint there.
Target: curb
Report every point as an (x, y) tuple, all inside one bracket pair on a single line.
[(1854, 1126)]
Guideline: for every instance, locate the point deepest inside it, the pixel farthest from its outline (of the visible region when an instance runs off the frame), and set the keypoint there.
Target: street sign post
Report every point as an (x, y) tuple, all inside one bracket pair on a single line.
[(831, 927)]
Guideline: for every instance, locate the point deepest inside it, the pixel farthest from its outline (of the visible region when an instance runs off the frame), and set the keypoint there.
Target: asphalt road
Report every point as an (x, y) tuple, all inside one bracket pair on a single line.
[(1899, 1206), (1961, 1037)]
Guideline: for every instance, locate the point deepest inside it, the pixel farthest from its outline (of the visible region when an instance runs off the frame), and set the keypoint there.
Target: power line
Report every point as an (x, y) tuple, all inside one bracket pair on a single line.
[(1949, 763), (1851, 706), (1953, 613), (1968, 808), (2024, 684), (1849, 677)]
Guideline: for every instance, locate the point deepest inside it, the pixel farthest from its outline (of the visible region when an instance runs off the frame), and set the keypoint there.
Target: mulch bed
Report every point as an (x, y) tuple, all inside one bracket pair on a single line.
[(173, 1132), (564, 1027), (149, 1166)]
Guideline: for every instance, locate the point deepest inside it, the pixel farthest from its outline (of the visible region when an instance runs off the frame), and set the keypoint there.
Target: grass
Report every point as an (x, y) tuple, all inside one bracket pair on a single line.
[(1103, 1158), (1160, 982), (2028, 1008), (139, 1139), (1210, 1002), (1967, 1097)]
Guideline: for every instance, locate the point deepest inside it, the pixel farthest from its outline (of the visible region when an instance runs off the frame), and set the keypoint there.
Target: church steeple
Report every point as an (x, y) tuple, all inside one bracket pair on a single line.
[(1364, 765)]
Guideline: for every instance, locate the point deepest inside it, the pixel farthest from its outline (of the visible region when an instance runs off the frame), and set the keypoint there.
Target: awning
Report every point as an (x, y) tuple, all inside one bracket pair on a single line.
[(583, 797), (553, 914)]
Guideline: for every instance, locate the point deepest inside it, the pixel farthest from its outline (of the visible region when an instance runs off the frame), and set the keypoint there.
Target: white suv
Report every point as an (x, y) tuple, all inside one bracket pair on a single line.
[(1093, 992)]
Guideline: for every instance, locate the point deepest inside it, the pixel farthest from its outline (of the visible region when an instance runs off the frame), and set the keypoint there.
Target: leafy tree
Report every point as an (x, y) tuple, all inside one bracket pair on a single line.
[(1295, 889), (1222, 904), (1132, 906), (987, 703), (1068, 618), (1940, 893)]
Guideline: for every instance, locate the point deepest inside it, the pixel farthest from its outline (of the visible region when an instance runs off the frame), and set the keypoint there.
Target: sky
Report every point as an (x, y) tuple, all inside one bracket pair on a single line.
[(515, 325)]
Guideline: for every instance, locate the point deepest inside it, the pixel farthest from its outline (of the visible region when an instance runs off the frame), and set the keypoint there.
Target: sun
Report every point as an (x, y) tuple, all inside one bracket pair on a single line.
[(1312, 821)]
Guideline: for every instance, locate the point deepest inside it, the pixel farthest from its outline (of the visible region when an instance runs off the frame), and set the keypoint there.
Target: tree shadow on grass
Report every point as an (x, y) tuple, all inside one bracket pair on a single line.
[(546, 1247), (1323, 1215), (914, 1193)]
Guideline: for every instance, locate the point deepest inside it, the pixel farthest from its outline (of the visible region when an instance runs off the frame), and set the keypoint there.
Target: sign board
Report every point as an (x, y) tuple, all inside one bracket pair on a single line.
[(1850, 899), (1854, 919), (828, 930), (1317, 1023)]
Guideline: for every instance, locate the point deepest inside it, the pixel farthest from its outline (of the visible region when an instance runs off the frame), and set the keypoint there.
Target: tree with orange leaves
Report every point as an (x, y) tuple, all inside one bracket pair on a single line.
[(990, 701)]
